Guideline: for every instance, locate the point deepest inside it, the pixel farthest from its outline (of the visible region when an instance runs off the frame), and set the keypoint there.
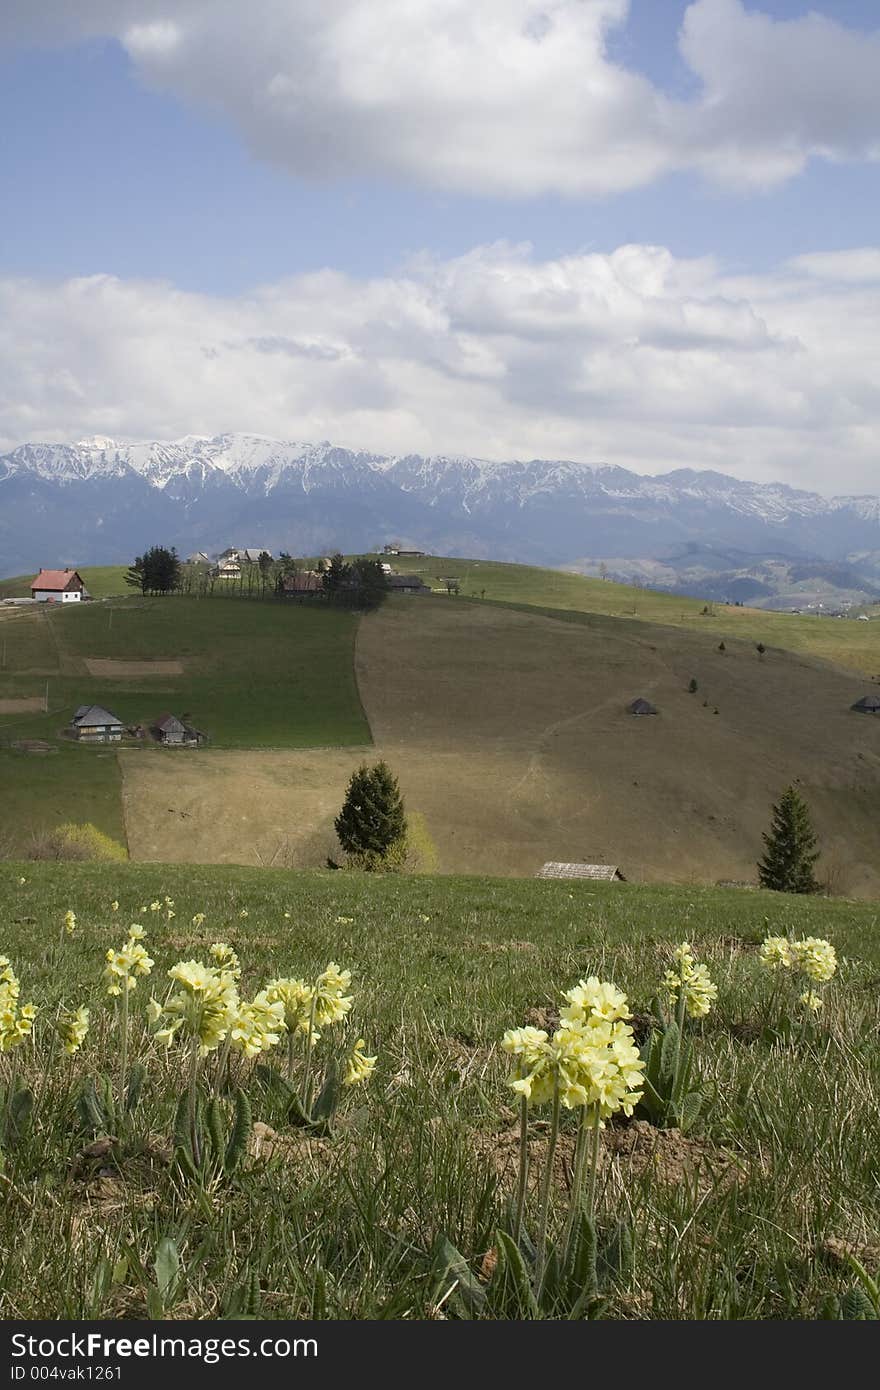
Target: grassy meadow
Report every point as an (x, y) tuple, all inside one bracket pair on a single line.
[(251, 675), (751, 1214)]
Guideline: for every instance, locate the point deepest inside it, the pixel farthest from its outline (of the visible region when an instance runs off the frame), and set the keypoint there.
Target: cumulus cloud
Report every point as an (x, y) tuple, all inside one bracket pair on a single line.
[(500, 97), (635, 358)]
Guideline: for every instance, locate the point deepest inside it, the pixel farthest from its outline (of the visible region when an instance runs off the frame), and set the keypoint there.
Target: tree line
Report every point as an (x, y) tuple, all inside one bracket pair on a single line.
[(356, 583)]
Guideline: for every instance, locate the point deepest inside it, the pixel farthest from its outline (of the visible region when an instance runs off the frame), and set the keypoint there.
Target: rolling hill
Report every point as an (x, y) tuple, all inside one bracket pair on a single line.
[(505, 720)]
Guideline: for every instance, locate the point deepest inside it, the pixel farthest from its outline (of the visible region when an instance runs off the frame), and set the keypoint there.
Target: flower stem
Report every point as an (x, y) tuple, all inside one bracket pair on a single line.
[(523, 1168), (304, 1096), (546, 1188), (123, 1051), (193, 1104), (594, 1164)]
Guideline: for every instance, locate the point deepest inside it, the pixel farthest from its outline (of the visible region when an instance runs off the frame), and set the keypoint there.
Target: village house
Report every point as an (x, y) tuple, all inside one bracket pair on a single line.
[(309, 584), (94, 724), (58, 586), (407, 584), (171, 730)]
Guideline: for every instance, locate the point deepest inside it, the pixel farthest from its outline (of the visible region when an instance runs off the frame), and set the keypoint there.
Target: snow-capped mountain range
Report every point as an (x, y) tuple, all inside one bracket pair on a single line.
[(101, 501)]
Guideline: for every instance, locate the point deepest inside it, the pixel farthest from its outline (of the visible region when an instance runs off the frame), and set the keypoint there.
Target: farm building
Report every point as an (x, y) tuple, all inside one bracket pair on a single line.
[(642, 707), (229, 569), (169, 729), (608, 873), (198, 557), (309, 584), (94, 724), (869, 704), (58, 586), (407, 584)]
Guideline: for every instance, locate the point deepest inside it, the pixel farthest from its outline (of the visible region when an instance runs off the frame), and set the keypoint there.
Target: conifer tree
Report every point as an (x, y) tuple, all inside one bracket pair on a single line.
[(790, 848), (372, 824)]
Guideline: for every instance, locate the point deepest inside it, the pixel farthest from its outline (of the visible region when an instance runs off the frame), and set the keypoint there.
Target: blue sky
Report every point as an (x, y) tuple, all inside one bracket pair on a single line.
[(202, 166)]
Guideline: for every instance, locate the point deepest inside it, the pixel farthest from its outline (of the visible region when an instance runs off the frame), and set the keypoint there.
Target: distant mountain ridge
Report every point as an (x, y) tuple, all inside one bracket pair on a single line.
[(102, 500)]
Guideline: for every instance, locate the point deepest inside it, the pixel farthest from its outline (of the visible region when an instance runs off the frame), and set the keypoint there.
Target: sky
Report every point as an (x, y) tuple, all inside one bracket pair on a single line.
[(643, 233)]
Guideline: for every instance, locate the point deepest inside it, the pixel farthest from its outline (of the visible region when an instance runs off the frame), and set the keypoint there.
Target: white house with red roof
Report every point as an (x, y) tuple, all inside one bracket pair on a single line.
[(58, 586)]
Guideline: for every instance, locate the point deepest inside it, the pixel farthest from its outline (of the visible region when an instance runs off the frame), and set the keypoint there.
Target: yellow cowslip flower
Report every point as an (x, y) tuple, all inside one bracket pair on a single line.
[(590, 1060), (295, 997), (358, 1067), (287, 915), (16, 1021), (595, 998), (198, 919), (344, 921), (169, 902), (22, 882), (244, 912), (225, 959), (775, 953), (258, 1025), (156, 906), (204, 1007), (331, 1002), (815, 957), (812, 1001), (69, 921), (423, 918), (699, 991), (124, 967), (114, 906), (72, 1025), (144, 908)]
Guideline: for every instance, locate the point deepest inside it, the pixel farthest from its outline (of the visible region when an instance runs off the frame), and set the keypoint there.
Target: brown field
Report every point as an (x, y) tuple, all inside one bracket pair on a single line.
[(510, 735), (26, 705), (106, 668)]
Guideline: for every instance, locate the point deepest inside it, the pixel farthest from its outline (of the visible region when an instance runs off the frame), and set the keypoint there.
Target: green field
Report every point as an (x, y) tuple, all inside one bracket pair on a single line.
[(751, 1215), (102, 581), (844, 641), (253, 675)]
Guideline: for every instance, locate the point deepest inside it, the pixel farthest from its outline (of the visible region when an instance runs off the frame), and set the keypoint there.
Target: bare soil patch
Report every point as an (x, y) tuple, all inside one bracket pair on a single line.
[(106, 668), (30, 704)]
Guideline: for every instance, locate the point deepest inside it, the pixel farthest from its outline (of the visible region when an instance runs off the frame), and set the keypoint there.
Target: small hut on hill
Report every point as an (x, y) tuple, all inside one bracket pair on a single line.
[(642, 707), (869, 704), (608, 873)]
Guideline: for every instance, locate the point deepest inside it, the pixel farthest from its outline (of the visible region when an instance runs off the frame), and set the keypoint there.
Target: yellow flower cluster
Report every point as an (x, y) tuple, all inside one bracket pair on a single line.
[(204, 1006), (16, 1021), (811, 1001), (699, 991), (258, 1025), (123, 967), (310, 1007), (813, 956), (590, 1060), (225, 959), (69, 921), (358, 1067), (72, 1025)]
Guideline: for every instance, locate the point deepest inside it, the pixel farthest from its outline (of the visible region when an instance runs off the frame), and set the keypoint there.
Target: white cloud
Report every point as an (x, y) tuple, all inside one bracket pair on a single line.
[(635, 358), (499, 97)]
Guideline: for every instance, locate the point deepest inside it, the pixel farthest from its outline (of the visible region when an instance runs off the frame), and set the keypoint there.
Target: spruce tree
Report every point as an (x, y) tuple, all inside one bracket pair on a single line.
[(372, 824), (790, 844)]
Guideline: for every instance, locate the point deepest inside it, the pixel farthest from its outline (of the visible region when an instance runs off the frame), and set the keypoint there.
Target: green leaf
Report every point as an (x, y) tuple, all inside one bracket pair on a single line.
[(451, 1267), (510, 1292), (329, 1096), (242, 1125), (135, 1084), (689, 1110), (584, 1274), (669, 1052), (166, 1267)]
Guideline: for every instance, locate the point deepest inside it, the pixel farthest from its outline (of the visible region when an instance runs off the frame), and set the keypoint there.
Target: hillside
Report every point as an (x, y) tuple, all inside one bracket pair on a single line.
[(102, 581), (506, 722), (344, 1226)]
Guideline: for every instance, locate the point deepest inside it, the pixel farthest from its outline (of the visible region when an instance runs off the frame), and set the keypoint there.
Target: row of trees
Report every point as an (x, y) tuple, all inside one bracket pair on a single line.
[(358, 583)]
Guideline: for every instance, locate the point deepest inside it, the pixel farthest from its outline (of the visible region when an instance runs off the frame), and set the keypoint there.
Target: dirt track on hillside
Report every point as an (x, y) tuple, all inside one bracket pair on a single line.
[(107, 668), (509, 733)]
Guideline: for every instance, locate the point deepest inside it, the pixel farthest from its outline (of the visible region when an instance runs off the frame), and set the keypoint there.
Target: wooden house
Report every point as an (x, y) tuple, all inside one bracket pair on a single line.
[(94, 724), (608, 873), (169, 729)]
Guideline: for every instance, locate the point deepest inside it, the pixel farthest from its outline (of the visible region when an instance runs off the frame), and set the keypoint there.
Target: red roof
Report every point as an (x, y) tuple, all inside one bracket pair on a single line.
[(57, 581)]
